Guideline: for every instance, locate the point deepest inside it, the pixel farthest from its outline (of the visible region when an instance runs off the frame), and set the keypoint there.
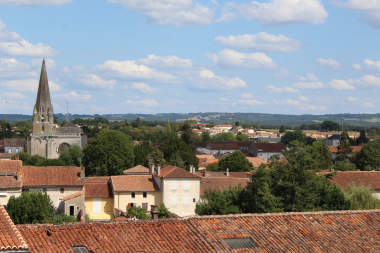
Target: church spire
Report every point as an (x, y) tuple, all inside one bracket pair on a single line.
[(43, 94)]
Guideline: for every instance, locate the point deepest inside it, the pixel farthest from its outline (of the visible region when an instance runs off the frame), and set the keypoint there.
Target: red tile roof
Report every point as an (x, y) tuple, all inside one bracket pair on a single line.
[(269, 147), (6, 155), (9, 182), (334, 149), (134, 183), (223, 146), (221, 183), (74, 195), (14, 142), (10, 166), (51, 175), (139, 169), (98, 187), (10, 237), (256, 161), (368, 178), (175, 172), (339, 231), (223, 174)]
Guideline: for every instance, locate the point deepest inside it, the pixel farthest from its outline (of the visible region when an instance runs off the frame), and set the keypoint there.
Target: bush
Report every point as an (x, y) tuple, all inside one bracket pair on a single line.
[(361, 197), (163, 212), (138, 213)]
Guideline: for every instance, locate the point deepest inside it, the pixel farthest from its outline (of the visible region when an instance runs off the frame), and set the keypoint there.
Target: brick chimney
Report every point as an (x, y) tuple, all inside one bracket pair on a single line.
[(228, 173), (158, 170), (17, 158), (154, 211)]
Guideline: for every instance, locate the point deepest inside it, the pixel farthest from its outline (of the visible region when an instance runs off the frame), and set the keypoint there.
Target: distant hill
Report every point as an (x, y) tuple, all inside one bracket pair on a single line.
[(365, 120)]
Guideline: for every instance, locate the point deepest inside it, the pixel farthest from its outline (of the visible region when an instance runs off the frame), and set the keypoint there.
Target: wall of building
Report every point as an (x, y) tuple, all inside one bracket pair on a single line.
[(76, 202), (180, 199), (122, 199), (268, 155), (10, 192), (106, 208), (14, 150)]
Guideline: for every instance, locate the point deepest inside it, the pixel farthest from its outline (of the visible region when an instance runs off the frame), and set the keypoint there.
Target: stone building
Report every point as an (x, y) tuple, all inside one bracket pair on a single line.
[(45, 140)]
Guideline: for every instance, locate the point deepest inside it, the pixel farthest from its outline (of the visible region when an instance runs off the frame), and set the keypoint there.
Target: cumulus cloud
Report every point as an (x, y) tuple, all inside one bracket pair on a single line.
[(13, 95), (287, 102), (50, 63), (208, 80), (360, 102), (329, 63), (143, 88), (274, 89), (231, 58), (313, 107), (143, 103), (367, 81), (98, 82), (11, 64), (34, 2), (130, 69), (223, 99), (29, 85), (372, 64), (98, 108), (356, 66), (352, 99), (303, 98), (251, 102), (7, 36), (161, 62), (260, 42), (246, 95), (73, 95), (309, 85), (341, 85), (368, 104), (279, 12), (170, 12)]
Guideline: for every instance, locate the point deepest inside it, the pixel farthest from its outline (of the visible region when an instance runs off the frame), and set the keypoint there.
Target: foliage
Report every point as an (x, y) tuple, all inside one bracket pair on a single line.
[(141, 153), (329, 125), (368, 158), (138, 213), (215, 202), (185, 151), (187, 134), (176, 160), (23, 156), (158, 157), (282, 129), (110, 151), (206, 137), (30, 207), (290, 136), (163, 212), (223, 137), (361, 197), (60, 218), (362, 139), (50, 162), (235, 162), (35, 159), (242, 137), (321, 154), (344, 148), (344, 166), (70, 156), (212, 167)]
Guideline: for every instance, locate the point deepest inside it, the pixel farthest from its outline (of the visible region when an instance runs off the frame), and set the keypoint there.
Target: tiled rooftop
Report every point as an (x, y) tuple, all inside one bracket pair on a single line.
[(223, 146), (223, 174), (10, 237), (98, 187), (51, 176), (269, 147), (339, 231), (221, 183), (10, 166), (334, 149), (139, 169), (14, 142), (134, 183), (256, 161), (367, 178), (74, 195), (170, 171), (6, 155), (9, 182)]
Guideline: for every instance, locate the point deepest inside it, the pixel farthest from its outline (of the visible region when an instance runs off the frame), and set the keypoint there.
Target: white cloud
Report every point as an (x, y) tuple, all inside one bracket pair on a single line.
[(261, 42), (24, 48), (29, 85), (170, 12), (73, 95), (313, 107), (130, 69), (310, 77), (287, 102), (231, 58), (246, 95), (372, 64), (7, 36), (303, 98), (329, 63), (208, 80), (11, 64), (251, 102), (368, 104), (367, 81), (13, 95), (165, 62), (34, 2), (223, 99), (144, 88), (274, 89), (352, 99), (98, 82), (356, 66), (309, 85), (281, 12), (50, 63), (96, 108), (341, 85), (143, 102)]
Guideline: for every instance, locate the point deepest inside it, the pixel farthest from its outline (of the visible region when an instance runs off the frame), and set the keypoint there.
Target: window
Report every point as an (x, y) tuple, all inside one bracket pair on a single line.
[(185, 199), (3, 192), (145, 206), (77, 207), (10, 150), (186, 185), (44, 190), (133, 195), (62, 190), (71, 210), (96, 204), (131, 205), (241, 243), (261, 154), (173, 185), (194, 200), (16, 150), (173, 199), (144, 194), (80, 249)]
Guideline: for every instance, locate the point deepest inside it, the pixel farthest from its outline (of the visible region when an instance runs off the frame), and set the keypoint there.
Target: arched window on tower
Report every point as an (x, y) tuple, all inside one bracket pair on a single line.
[(43, 128), (47, 115)]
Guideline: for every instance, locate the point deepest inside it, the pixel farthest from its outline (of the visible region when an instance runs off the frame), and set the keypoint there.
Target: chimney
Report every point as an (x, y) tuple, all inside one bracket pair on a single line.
[(17, 158), (154, 209), (204, 172), (81, 172), (228, 173), (158, 170), (151, 169), (332, 170)]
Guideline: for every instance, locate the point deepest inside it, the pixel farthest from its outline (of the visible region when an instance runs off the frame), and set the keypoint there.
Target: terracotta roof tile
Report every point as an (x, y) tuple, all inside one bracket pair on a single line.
[(134, 183), (223, 174), (221, 183), (10, 237), (139, 169), (175, 172), (9, 182), (74, 195), (10, 166), (14, 142), (339, 231), (98, 187), (6, 155), (223, 146), (54, 175), (269, 147), (367, 178), (256, 161), (334, 149)]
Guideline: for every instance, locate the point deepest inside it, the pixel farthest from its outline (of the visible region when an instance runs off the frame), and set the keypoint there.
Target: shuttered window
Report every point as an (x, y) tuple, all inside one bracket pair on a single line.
[(173, 199), (145, 206), (173, 185), (185, 199), (186, 185), (97, 205)]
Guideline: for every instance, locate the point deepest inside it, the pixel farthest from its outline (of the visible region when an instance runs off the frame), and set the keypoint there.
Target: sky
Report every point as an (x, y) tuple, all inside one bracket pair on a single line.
[(182, 56)]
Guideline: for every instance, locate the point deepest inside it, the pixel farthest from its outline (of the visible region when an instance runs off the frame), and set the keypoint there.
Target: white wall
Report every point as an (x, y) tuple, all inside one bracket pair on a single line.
[(55, 192)]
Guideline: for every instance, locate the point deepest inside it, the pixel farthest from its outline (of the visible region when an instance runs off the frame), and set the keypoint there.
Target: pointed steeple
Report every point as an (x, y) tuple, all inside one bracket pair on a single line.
[(43, 94)]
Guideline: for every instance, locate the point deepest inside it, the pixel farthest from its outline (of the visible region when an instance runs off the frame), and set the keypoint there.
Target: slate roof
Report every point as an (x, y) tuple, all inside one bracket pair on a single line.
[(74, 195), (134, 183), (334, 137), (367, 178), (269, 147), (333, 231), (221, 183), (223, 146), (9, 182), (51, 176), (10, 237), (10, 166), (97, 187), (139, 169), (175, 172), (334, 149)]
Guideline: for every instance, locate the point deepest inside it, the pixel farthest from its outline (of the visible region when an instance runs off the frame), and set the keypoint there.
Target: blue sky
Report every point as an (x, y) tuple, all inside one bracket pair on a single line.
[(154, 56)]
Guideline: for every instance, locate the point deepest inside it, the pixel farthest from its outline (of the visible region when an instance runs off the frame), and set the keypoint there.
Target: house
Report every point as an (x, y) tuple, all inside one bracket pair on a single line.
[(334, 150), (6, 156), (137, 170), (333, 140), (267, 150), (271, 139), (222, 147), (13, 146), (256, 161), (73, 205), (10, 179), (327, 231)]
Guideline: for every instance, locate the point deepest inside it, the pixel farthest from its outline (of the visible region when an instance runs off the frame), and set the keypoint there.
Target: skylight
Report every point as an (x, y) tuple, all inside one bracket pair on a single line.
[(80, 249), (241, 243)]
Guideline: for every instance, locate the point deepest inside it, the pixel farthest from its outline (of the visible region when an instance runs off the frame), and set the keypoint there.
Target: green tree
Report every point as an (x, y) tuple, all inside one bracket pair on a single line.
[(35, 159), (361, 197), (158, 158), (168, 129), (176, 160), (141, 153), (235, 162), (23, 156), (329, 125), (70, 156), (185, 151), (50, 162), (163, 212), (206, 137), (223, 137), (289, 137), (187, 134), (321, 154), (282, 129), (242, 137), (30, 207), (138, 213), (344, 148), (212, 167), (362, 139), (110, 151), (210, 125), (368, 158)]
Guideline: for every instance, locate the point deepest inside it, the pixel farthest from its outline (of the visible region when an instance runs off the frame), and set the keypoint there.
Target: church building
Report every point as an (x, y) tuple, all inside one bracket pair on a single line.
[(45, 140)]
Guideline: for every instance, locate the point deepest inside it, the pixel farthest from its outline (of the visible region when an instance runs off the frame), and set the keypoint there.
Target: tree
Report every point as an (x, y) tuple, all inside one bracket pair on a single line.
[(368, 158), (362, 139), (329, 125), (185, 151), (282, 129), (223, 137), (321, 154), (141, 153), (187, 134), (110, 151), (30, 207), (23, 156), (210, 125), (235, 162), (361, 197), (288, 137), (237, 123), (206, 137), (138, 213), (70, 156), (163, 212), (50, 162), (212, 167), (344, 148), (242, 137), (35, 159), (158, 158), (176, 160)]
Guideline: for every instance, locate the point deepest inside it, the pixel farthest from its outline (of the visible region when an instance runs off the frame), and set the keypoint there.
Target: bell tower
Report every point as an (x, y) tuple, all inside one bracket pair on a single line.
[(43, 116)]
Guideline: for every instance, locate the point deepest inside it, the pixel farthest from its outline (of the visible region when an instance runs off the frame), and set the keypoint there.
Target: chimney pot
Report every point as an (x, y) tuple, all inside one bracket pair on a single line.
[(151, 171), (228, 173), (158, 170), (17, 158), (154, 212)]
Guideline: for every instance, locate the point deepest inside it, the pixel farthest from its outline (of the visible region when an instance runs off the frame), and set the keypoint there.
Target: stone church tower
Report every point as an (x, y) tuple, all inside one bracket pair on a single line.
[(47, 141)]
